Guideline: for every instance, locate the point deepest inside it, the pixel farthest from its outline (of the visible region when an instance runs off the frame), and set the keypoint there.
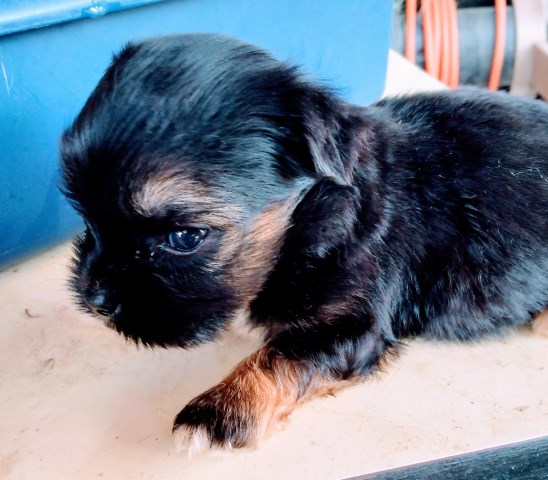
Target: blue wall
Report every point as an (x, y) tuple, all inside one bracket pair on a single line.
[(46, 75)]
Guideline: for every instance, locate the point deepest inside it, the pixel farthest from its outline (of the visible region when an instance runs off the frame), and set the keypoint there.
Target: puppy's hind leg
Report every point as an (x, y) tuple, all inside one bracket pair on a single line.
[(298, 365)]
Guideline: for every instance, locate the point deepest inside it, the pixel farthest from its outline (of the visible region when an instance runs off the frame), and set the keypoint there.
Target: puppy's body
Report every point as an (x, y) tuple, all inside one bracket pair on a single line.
[(338, 229)]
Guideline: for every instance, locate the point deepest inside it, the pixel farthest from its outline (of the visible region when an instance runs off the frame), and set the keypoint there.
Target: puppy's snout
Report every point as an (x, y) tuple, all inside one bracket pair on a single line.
[(100, 303)]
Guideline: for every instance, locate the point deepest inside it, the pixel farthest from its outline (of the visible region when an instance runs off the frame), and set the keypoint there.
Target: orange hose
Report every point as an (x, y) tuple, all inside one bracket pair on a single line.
[(430, 56), (445, 48), (441, 39), (411, 30), (500, 45), (454, 70), (436, 28)]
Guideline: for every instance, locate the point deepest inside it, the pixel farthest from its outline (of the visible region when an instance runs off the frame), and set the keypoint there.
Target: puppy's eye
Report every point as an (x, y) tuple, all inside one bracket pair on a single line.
[(188, 240)]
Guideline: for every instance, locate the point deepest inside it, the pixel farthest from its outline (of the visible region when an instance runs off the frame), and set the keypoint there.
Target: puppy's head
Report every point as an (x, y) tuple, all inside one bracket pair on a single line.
[(186, 164)]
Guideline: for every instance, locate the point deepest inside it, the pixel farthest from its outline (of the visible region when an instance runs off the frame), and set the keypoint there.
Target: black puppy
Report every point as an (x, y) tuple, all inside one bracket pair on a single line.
[(218, 184)]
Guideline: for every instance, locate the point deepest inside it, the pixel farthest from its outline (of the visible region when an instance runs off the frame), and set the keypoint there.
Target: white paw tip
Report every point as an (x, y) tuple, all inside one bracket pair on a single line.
[(195, 441), (192, 440)]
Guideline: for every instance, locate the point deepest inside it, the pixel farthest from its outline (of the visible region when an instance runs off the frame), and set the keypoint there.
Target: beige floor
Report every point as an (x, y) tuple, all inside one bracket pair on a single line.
[(76, 401)]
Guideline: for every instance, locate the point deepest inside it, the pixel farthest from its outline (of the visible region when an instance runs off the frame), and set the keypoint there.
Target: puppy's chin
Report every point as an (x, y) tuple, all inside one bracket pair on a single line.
[(152, 312), (163, 328)]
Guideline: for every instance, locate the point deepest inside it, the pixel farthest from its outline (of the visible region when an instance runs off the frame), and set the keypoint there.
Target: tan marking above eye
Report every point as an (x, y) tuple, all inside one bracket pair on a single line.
[(175, 191)]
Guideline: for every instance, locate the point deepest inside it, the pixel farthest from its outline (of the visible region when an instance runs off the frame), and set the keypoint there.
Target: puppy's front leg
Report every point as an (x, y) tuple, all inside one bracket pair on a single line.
[(266, 386)]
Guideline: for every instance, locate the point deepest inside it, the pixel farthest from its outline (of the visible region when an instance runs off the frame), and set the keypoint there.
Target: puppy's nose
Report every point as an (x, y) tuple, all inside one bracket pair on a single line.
[(101, 304)]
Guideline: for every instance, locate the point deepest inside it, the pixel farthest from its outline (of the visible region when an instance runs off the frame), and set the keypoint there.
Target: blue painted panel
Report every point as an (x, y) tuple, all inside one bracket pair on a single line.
[(46, 75), (20, 15)]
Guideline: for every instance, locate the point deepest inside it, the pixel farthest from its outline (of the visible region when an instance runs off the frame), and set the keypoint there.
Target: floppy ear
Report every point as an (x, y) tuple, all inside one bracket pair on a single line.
[(340, 143), (338, 135), (325, 218)]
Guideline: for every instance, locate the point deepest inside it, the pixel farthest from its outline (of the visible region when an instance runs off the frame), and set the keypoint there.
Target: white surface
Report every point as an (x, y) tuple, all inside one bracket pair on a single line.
[(77, 402), (403, 77)]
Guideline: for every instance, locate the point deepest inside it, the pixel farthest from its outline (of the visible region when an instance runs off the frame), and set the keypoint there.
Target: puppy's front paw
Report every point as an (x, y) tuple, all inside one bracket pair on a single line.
[(219, 418), (263, 389)]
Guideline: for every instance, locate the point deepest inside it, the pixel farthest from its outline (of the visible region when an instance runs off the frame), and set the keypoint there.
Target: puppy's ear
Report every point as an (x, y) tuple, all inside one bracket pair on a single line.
[(337, 134), (325, 217)]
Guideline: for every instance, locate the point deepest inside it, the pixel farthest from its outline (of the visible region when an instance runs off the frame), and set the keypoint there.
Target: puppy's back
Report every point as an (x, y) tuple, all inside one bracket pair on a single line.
[(469, 176)]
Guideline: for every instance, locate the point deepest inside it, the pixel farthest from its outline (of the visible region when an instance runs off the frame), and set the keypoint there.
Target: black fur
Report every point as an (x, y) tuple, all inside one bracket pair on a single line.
[(423, 214)]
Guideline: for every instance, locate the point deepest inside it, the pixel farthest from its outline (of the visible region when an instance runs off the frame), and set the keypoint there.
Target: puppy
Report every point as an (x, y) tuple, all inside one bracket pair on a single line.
[(217, 183)]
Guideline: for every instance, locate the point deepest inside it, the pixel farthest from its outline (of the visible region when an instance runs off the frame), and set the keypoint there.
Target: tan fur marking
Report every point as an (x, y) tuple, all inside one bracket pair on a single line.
[(240, 326), (177, 191), (337, 309), (229, 246), (270, 389), (260, 247)]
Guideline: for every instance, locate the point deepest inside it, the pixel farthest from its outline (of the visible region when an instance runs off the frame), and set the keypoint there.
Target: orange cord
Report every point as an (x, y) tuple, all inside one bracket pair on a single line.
[(430, 54), (454, 48), (445, 49), (411, 30), (500, 45), (436, 29)]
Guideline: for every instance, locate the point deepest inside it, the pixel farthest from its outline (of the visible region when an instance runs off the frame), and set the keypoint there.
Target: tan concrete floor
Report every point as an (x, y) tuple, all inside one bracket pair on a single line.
[(77, 401)]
